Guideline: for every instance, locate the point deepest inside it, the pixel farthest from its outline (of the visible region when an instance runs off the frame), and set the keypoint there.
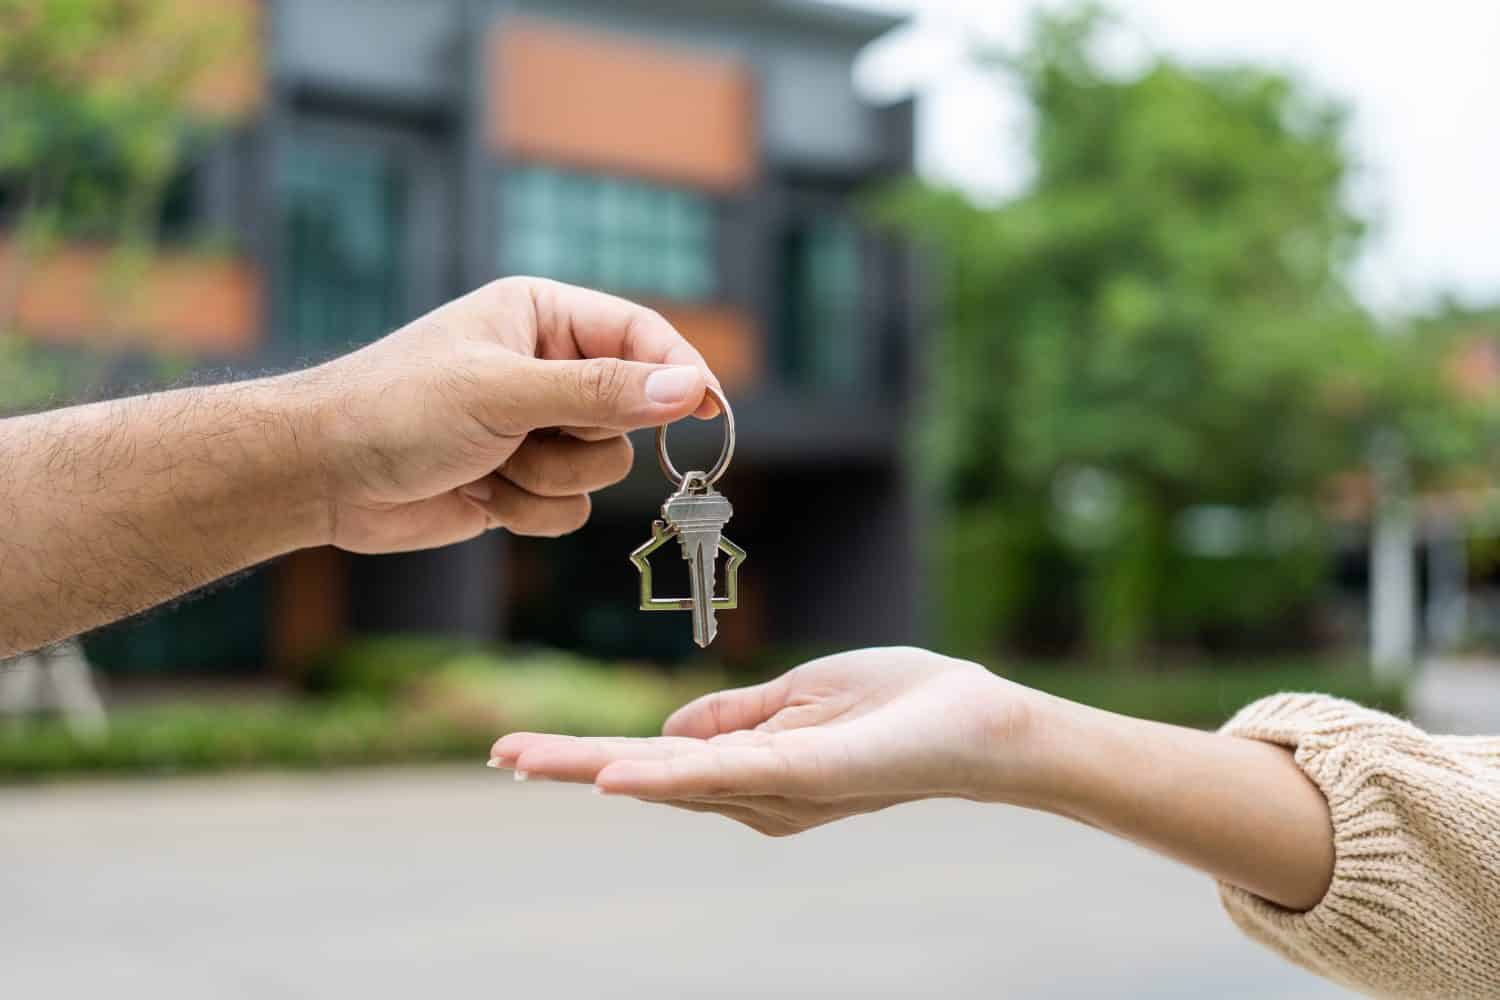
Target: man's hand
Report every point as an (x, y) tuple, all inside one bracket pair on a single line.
[(835, 737), (505, 407)]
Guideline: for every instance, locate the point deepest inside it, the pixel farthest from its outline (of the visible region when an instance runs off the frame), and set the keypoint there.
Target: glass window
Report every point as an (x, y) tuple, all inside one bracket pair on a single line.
[(821, 342), (220, 630), (340, 275), (608, 232)]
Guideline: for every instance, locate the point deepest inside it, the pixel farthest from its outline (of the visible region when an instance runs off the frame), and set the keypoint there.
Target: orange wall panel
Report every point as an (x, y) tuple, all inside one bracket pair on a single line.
[(177, 301), (726, 337), (616, 104)]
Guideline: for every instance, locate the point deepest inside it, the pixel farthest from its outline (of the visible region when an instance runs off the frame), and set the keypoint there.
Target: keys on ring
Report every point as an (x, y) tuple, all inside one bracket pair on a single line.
[(695, 515)]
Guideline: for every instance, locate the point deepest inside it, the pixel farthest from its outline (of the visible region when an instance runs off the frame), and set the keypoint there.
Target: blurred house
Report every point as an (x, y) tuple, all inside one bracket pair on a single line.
[(703, 157), (1419, 570)]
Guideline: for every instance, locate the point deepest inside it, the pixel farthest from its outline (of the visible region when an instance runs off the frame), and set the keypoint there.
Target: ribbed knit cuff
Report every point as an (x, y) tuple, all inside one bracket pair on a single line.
[(1370, 891)]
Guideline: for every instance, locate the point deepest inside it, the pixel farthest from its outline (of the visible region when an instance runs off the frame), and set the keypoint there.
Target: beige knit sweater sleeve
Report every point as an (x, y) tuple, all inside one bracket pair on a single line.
[(1414, 906)]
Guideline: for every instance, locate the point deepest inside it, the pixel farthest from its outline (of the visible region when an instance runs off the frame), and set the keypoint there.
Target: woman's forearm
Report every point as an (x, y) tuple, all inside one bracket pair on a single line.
[(1239, 810)]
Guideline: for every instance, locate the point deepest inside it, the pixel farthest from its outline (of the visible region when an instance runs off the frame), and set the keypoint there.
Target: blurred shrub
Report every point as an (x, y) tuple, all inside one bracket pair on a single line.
[(381, 701), (1001, 577), (1254, 600), (194, 737), (452, 707), (380, 667), (556, 692)]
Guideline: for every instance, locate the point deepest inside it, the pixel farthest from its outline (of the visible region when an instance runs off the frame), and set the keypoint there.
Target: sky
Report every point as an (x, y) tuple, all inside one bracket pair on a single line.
[(1422, 81)]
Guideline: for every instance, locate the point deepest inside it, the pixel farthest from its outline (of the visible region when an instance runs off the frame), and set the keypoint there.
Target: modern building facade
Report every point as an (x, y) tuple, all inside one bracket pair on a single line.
[(707, 158)]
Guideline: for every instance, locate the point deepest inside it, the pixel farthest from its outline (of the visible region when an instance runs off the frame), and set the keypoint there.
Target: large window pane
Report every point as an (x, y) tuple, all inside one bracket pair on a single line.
[(341, 280), (821, 340), (608, 232)]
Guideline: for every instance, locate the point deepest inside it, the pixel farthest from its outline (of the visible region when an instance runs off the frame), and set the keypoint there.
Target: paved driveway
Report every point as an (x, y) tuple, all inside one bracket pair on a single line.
[(458, 882)]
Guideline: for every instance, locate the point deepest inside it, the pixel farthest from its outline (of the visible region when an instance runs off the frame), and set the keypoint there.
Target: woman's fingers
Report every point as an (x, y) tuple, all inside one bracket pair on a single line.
[(568, 758), (754, 778), (508, 749), (660, 768), (669, 767), (728, 711), (707, 771)]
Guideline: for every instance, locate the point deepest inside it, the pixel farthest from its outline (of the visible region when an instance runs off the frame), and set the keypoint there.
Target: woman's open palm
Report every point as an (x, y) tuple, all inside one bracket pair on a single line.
[(839, 736)]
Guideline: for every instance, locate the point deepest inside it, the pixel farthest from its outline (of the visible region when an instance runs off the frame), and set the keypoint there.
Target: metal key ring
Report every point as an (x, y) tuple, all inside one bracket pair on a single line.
[(725, 454)]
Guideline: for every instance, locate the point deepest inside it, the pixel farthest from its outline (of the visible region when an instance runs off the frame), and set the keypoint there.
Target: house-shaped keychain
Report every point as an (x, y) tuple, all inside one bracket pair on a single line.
[(695, 515)]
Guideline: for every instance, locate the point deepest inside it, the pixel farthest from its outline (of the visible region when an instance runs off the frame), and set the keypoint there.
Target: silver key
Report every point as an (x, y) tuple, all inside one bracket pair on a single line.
[(697, 513)]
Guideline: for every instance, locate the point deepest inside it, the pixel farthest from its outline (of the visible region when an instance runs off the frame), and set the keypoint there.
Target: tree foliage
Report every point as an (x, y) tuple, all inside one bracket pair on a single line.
[(1158, 327), (97, 107), (97, 97)]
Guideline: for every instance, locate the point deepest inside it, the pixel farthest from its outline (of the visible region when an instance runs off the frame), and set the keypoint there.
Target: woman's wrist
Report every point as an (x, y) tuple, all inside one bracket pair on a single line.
[(1064, 757), (1038, 749), (1239, 810), (1019, 753)]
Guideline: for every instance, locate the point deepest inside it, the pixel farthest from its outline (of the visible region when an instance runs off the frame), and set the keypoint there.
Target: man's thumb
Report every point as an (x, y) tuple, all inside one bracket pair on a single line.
[(605, 392)]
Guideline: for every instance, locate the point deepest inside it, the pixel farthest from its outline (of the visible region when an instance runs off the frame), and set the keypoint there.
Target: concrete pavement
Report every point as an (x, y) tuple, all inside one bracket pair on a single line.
[(1459, 696), (457, 882)]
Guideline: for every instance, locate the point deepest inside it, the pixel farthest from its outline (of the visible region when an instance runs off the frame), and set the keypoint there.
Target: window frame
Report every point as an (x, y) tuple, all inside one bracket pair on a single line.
[(426, 257), (804, 207), (629, 235)]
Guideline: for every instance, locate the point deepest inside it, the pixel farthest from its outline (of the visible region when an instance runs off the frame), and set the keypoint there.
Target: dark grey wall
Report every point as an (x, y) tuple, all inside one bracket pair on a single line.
[(455, 591), (401, 49), (844, 567)]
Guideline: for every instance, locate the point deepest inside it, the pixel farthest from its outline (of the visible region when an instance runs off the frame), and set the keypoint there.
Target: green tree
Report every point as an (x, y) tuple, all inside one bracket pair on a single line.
[(97, 105), (1159, 324)]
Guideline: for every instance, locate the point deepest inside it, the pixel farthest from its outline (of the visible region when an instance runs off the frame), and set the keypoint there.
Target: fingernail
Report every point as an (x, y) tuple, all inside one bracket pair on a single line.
[(480, 491), (672, 385), (522, 775), (495, 763), (599, 791)]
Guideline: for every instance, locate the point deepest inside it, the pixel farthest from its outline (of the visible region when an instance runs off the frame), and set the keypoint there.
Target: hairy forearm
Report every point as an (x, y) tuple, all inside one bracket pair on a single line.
[(111, 508), (1239, 810)]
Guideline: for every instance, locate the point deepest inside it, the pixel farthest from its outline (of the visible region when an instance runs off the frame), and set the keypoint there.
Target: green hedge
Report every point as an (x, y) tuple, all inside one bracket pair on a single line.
[(184, 737), (375, 702), (384, 701)]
